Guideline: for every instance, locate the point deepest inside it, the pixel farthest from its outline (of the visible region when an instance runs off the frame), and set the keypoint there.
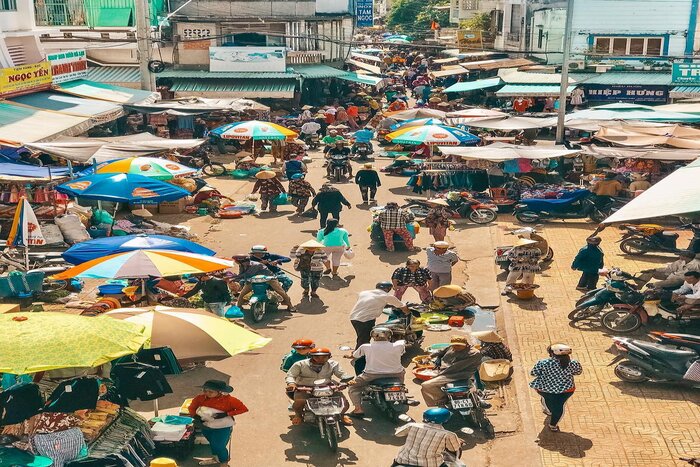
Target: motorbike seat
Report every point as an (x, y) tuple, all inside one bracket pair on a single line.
[(688, 337), (385, 382), (665, 351), (458, 386), (669, 235)]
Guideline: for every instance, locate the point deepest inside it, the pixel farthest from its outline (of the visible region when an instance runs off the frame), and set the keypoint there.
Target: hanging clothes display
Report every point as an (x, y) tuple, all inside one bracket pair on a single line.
[(140, 381), (74, 394), (446, 175), (20, 403)]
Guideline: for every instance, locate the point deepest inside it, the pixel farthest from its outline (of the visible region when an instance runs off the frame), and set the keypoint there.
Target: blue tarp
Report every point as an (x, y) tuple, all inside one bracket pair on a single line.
[(31, 171), (556, 204)]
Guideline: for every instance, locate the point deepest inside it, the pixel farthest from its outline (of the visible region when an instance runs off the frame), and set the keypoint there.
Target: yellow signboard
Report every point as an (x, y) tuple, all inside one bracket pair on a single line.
[(469, 39), (24, 79)]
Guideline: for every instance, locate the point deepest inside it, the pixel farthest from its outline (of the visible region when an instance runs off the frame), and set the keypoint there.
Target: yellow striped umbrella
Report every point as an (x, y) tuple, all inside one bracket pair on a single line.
[(153, 167)]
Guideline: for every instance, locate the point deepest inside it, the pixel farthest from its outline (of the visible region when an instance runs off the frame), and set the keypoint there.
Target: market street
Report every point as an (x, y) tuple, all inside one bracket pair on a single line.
[(642, 433)]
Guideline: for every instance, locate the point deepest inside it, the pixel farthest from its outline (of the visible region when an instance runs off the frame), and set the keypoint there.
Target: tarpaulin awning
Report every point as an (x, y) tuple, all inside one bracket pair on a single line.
[(690, 108), (197, 105), (28, 171), (539, 90), (247, 88), (317, 70), (371, 58), (660, 154), (673, 135), (675, 195), (684, 92), (107, 92), (365, 66), (100, 111), (466, 86), (630, 112), (20, 125), (499, 152), (494, 64), (362, 79), (456, 70), (514, 123), (442, 61), (107, 149)]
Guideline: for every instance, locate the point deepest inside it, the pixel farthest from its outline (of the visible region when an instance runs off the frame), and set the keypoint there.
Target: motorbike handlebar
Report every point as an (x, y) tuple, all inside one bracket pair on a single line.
[(334, 386)]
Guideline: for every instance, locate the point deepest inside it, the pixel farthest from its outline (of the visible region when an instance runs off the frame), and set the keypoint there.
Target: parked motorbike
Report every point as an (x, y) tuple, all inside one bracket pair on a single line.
[(312, 141), (501, 252), (579, 204), (640, 309), (201, 160), (376, 234), (324, 409), (339, 168), (641, 361), (465, 208), (466, 402), (388, 395), (618, 288), (686, 341), (263, 298), (362, 151), (403, 326), (652, 238)]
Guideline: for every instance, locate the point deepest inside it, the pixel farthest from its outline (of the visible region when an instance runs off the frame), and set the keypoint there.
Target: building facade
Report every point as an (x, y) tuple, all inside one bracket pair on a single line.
[(19, 44)]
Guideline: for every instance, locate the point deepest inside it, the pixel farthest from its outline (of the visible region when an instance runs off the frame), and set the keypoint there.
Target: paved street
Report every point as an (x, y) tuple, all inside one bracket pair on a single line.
[(615, 424)]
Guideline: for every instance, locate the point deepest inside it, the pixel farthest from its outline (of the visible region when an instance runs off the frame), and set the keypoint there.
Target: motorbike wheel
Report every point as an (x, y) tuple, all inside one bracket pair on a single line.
[(482, 216), (580, 315), (488, 429), (634, 246), (527, 217), (418, 210), (549, 256), (621, 321), (257, 310), (338, 176), (630, 373), (214, 169), (332, 437), (598, 216)]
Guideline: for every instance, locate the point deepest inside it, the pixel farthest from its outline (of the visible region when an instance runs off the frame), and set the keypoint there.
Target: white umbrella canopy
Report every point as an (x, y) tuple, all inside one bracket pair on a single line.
[(678, 194), (498, 152), (411, 114)]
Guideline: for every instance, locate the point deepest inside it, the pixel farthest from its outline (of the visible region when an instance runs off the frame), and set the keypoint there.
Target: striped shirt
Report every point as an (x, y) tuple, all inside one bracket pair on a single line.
[(425, 444), (305, 261)]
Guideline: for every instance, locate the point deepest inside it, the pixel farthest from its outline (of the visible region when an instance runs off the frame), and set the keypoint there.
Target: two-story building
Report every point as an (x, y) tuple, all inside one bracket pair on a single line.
[(19, 41)]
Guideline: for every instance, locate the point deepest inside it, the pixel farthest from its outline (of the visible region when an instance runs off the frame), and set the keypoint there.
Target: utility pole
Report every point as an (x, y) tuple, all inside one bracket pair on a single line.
[(565, 71), (144, 43)]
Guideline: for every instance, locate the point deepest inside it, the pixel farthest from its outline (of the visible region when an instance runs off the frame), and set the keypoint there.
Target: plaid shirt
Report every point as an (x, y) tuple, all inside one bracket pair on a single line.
[(425, 444), (496, 350), (394, 219), (405, 276)]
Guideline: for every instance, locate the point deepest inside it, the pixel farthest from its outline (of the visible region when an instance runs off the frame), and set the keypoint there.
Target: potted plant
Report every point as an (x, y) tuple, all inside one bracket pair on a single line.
[(648, 64)]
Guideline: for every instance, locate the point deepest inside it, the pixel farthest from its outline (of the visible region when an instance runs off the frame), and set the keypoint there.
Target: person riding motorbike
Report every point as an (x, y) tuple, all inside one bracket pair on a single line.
[(383, 360), (457, 362), (428, 442), (308, 130), (363, 136), (688, 295), (339, 151), (318, 366), (330, 139), (260, 254), (671, 275), (300, 351), (249, 269)]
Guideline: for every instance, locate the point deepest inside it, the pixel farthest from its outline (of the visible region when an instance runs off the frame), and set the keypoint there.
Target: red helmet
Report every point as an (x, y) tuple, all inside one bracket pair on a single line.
[(303, 344), (320, 351)]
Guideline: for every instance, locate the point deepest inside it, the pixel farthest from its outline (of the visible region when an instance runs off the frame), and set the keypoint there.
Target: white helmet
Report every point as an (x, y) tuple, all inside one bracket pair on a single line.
[(382, 332), (561, 349), (258, 249)]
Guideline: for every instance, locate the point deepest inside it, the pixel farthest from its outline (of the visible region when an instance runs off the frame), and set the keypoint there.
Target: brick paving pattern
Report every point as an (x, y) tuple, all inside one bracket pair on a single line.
[(607, 422)]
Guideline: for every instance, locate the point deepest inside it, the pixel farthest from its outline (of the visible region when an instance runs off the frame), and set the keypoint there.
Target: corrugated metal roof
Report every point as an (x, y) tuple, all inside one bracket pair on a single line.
[(203, 74), (313, 71), (106, 92), (630, 78), (114, 74), (466, 86), (239, 88), (537, 90), (509, 75), (684, 91)]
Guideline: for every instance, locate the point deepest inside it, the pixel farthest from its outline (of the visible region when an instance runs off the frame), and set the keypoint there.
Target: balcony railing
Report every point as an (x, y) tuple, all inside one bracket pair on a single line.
[(296, 57), (60, 13)]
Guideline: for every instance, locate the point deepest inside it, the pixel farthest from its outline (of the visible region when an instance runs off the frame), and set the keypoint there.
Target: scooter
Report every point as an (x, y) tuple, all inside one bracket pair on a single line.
[(652, 238), (501, 252), (641, 309), (263, 298), (641, 361), (324, 409), (388, 395), (362, 151), (339, 168), (403, 326), (680, 341), (312, 140), (465, 401), (579, 204), (617, 289), (464, 208)]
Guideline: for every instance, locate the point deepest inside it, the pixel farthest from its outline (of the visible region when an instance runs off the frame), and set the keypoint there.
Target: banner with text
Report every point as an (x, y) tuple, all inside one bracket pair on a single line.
[(686, 73), (68, 66), (365, 13), (626, 93), (247, 59), (25, 79)]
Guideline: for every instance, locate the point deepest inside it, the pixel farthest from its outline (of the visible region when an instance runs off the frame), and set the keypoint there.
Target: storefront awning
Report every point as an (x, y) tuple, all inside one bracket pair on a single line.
[(456, 70), (197, 106), (499, 152), (20, 125), (107, 92), (316, 71), (660, 154), (533, 90), (486, 65), (467, 86), (362, 79), (99, 111), (684, 92), (249, 88)]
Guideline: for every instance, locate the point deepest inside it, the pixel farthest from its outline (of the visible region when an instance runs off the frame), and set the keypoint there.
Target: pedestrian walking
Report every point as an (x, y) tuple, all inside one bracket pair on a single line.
[(440, 262), (414, 276), (369, 306), (269, 187), (554, 381), (336, 242), (524, 260), (300, 191), (588, 260), (438, 220), (392, 220), (309, 260), (368, 180), (329, 200)]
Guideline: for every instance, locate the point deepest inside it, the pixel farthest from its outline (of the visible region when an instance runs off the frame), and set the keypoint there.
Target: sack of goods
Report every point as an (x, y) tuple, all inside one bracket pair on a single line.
[(72, 229)]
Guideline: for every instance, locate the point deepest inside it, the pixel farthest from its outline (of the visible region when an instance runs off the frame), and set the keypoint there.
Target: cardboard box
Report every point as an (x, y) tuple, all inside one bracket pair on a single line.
[(9, 308), (172, 207)]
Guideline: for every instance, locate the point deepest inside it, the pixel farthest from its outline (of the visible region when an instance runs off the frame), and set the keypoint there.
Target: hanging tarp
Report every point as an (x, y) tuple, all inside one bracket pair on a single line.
[(370, 80), (118, 147), (99, 111), (515, 123), (676, 136), (678, 194), (21, 125), (643, 153), (630, 112), (107, 92), (31, 172), (365, 66), (499, 152), (371, 58), (451, 71)]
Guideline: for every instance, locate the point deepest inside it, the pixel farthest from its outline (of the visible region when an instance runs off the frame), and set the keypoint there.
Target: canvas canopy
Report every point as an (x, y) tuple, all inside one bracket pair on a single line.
[(450, 71), (499, 152), (107, 92), (689, 108), (467, 86), (106, 149), (676, 136), (196, 106), (515, 123), (677, 194), (21, 125), (643, 153), (630, 112)]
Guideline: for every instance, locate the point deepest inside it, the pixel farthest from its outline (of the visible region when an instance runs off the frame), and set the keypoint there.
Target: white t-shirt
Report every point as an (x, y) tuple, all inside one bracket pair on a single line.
[(383, 357), (371, 303)]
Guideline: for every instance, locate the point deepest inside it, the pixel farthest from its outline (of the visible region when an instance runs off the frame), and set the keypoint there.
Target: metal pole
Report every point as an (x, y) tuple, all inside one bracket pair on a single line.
[(565, 71), (144, 43)]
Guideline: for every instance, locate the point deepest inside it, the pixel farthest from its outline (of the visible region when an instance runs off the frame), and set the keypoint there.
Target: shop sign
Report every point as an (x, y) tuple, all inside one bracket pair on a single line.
[(469, 40), (365, 13), (68, 66), (626, 93), (686, 73), (24, 79), (247, 59)]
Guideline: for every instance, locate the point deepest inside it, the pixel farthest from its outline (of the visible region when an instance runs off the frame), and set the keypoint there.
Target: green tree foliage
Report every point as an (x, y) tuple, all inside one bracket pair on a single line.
[(414, 16), (478, 22)]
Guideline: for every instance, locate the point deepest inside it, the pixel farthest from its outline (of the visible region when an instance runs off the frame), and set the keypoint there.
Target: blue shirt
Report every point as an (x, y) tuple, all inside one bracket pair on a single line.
[(363, 136)]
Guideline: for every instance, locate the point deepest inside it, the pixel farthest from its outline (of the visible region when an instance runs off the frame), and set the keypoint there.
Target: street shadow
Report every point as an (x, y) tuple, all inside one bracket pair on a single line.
[(653, 390), (330, 283), (567, 444), (394, 258), (299, 219), (273, 215), (375, 427), (312, 306), (534, 304), (307, 448)]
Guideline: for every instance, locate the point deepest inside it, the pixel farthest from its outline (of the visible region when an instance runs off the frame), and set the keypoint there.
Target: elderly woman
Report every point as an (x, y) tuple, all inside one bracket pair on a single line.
[(438, 219), (216, 409), (269, 187), (457, 362), (412, 275)]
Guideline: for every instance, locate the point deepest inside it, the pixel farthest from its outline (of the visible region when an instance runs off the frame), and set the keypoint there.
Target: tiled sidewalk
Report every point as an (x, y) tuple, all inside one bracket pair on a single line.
[(608, 422)]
